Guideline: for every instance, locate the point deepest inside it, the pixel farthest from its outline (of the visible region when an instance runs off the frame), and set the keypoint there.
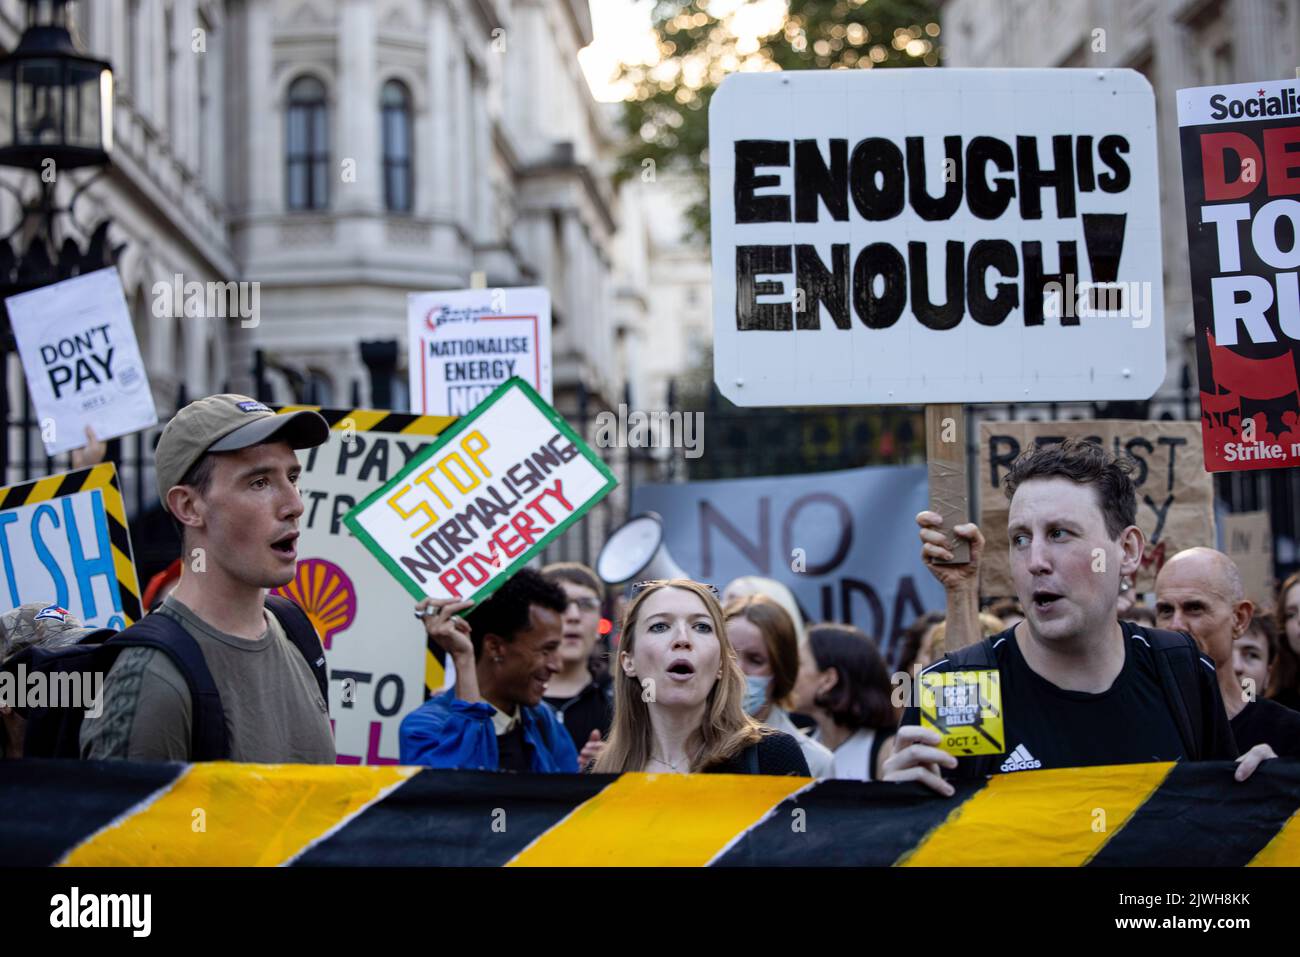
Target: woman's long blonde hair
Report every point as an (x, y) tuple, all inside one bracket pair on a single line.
[(726, 729)]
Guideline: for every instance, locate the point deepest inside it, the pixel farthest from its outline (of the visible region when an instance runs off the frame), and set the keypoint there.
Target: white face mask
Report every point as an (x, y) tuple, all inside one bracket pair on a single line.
[(756, 692)]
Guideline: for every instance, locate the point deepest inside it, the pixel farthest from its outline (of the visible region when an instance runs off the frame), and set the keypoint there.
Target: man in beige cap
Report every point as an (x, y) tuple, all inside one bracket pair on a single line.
[(227, 474)]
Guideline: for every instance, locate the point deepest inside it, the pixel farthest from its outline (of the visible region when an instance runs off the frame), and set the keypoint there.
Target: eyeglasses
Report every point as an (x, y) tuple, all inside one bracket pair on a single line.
[(584, 604), (642, 586)]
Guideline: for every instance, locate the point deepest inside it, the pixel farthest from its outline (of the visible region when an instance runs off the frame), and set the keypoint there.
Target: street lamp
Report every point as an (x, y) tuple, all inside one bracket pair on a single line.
[(56, 103), (56, 115)]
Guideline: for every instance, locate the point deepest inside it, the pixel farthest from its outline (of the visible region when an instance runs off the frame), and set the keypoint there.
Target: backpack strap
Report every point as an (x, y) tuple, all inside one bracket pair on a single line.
[(978, 656), (1176, 655), (300, 631), (208, 739)]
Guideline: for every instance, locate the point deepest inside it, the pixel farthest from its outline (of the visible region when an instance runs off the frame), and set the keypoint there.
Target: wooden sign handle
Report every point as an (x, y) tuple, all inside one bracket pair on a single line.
[(945, 453)]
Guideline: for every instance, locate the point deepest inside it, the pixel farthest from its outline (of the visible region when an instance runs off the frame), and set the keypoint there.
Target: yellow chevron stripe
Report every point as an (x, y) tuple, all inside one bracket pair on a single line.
[(102, 476), (260, 818), (44, 490), (429, 425), (434, 674), (126, 578), (1284, 849), (638, 821), (362, 420), (1039, 819), (113, 505)]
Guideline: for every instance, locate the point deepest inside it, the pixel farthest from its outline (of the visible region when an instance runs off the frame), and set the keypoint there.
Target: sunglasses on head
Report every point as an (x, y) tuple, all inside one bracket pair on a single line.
[(642, 586)]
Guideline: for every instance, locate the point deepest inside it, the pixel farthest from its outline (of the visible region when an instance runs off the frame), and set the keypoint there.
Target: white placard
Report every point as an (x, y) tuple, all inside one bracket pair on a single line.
[(81, 360), (463, 343), (888, 236), (475, 505)]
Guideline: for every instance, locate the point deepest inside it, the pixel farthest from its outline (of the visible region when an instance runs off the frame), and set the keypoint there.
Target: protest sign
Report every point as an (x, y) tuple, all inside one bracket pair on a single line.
[(924, 236), (1240, 146), (1248, 541), (844, 542), (473, 507), (464, 343), (1175, 496), (81, 360), (379, 659), (64, 541)]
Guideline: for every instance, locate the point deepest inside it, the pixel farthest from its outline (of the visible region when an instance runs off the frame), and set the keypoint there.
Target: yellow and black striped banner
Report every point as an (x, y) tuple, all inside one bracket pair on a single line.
[(127, 814), (97, 477)]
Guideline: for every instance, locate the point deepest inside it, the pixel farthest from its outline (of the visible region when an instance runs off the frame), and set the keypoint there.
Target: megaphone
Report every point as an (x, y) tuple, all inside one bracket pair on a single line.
[(637, 550)]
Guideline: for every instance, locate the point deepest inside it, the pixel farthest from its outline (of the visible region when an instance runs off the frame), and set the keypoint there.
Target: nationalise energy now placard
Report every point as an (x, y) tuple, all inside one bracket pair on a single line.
[(473, 507), (81, 360), (927, 236), (463, 343), (379, 659), (1241, 177)]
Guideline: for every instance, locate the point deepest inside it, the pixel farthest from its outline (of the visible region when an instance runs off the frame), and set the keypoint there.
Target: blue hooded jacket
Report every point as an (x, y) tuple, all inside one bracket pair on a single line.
[(448, 733)]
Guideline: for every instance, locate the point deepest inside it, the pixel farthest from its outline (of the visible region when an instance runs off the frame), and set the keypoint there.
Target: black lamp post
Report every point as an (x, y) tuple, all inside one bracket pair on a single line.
[(56, 115)]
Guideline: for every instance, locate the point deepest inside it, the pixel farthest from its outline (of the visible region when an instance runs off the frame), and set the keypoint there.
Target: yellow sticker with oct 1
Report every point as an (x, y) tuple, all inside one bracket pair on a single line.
[(965, 707)]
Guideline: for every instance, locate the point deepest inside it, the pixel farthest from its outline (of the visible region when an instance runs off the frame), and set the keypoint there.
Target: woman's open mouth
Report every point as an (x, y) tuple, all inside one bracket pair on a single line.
[(681, 670)]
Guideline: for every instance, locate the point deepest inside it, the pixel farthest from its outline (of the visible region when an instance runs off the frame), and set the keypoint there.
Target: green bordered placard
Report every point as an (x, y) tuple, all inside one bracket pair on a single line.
[(466, 426)]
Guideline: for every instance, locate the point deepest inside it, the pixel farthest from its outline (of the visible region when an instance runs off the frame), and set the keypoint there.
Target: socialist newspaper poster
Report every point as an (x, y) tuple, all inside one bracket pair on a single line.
[(379, 660), (464, 343), (1241, 176), (81, 360)]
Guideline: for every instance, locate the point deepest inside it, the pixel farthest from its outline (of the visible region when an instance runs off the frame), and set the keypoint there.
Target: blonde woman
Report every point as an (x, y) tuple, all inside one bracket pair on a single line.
[(679, 693)]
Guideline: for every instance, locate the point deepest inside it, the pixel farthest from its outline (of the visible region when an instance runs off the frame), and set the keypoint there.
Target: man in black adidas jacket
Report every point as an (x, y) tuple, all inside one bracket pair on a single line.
[(1078, 686)]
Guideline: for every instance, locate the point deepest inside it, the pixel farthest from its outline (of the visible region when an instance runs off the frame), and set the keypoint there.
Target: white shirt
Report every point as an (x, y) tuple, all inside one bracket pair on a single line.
[(852, 759), (817, 755)]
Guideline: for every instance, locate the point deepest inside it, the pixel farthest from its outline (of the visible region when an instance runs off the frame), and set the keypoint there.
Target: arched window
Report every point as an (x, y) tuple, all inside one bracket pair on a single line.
[(307, 145), (395, 110)]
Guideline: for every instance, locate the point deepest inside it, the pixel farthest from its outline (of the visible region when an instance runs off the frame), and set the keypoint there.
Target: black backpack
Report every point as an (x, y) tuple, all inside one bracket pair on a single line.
[(56, 732), (1177, 657)]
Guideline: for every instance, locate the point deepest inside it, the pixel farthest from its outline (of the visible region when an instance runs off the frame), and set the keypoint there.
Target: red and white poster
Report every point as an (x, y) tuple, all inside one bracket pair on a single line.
[(463, 343), (1241, 175)]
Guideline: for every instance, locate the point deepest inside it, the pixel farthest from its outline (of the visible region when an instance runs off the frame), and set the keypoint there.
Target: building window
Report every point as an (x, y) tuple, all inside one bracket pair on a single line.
[(395, 109), (307, 145)]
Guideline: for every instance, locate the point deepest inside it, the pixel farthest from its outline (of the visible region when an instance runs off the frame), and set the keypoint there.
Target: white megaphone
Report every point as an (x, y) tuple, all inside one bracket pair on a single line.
[(637, 550)]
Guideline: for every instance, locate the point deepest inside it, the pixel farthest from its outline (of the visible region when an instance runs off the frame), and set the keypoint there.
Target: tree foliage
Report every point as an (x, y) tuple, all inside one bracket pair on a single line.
[(666, 118)]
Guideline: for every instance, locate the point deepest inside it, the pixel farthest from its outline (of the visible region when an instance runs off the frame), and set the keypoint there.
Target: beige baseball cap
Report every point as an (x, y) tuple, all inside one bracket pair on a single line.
[(227, 423)]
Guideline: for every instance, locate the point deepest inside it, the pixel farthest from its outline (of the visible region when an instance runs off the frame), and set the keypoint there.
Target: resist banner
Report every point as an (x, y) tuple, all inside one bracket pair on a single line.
[(472, 508), (921, 236), (81, 360), (64, 541), (1175, 496), (844, 542), (1241, 174), (379, 659), (464, 343)]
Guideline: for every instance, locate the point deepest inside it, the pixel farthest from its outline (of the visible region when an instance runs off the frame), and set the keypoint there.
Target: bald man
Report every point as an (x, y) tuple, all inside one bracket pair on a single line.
[(1199, 591)]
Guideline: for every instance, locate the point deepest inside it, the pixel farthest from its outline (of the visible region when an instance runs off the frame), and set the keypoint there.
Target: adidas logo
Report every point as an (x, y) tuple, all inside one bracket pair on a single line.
[(1021, 760)]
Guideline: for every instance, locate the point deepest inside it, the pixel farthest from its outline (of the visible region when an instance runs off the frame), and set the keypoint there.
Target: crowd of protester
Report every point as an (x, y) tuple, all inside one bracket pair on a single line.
[(689, 680)]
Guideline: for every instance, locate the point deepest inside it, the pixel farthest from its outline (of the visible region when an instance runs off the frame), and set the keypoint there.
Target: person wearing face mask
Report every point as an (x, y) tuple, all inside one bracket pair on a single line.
[(763, 635), (679, 691), (844, 684)]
